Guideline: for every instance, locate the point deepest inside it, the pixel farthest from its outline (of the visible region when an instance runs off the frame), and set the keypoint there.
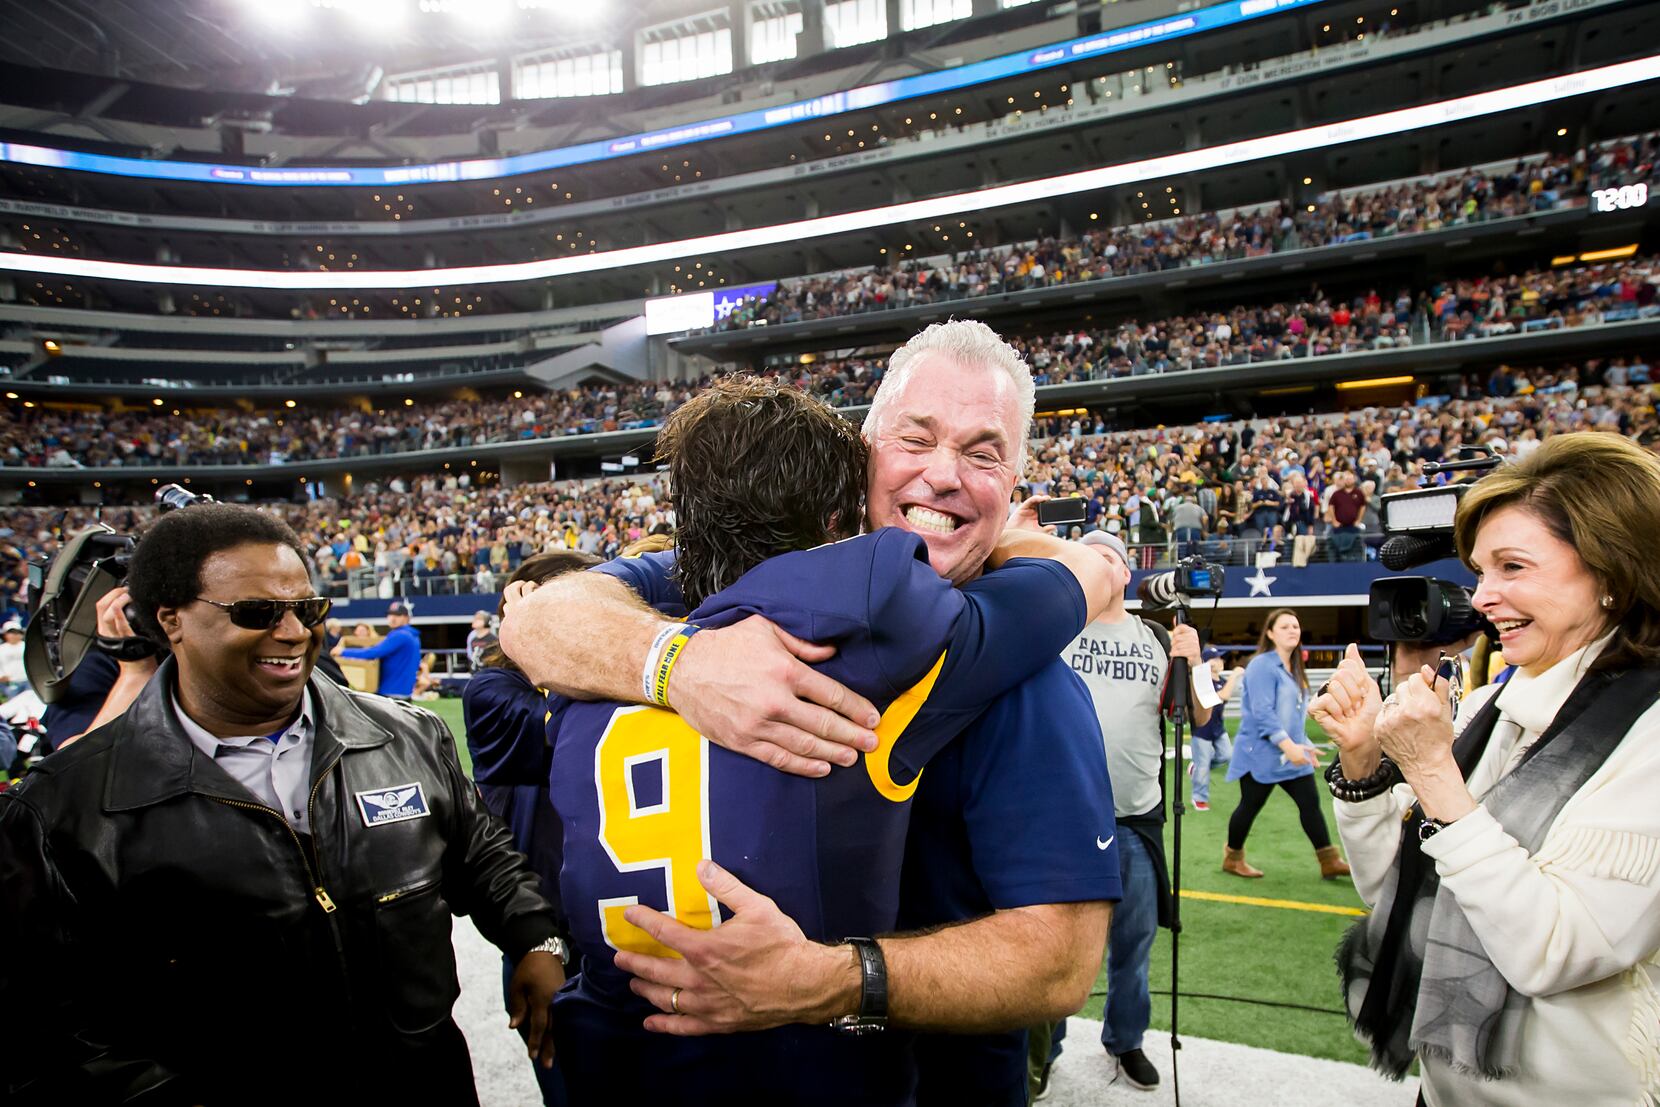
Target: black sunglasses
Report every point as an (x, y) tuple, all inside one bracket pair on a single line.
[(266, 614)]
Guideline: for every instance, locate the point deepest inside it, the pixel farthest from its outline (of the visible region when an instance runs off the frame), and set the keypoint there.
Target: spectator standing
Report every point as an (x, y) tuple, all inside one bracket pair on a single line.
[(399, 654), (1344, 511), (480, 639), (1122, 660), (1187, 524)]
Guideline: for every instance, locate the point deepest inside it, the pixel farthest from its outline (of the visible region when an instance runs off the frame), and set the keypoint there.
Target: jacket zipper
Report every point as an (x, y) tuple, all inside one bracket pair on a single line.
[(317, 892), (402, 892), (311, 820)]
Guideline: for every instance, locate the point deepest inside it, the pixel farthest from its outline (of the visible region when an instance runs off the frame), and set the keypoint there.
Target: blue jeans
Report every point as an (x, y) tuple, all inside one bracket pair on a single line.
[(1208, 752), (550, 1081), (1129, 948)]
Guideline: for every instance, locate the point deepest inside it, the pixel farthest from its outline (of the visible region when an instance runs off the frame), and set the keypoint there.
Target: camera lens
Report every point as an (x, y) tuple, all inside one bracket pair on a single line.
[(172, 496)]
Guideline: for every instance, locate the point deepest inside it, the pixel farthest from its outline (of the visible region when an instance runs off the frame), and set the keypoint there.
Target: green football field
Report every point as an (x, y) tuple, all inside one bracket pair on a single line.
[(1277, 954)]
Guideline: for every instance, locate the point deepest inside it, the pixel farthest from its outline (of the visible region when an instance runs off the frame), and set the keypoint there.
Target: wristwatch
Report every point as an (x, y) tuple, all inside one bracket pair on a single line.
[(554, 945), (1429, 828), (873, 991)]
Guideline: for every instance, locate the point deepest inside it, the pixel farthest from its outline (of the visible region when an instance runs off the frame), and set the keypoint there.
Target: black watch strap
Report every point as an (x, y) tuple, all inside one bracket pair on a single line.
[(873, 990)]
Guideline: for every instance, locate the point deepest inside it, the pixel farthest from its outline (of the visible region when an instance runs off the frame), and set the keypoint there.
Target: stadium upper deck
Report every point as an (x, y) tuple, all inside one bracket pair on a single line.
[(995, 140)]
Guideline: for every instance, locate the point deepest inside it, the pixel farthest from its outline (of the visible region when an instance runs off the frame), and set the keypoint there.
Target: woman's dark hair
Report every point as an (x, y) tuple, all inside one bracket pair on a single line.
[(166, 569), (756, 470), (1600, 494), (1265, 644), (538, 569)]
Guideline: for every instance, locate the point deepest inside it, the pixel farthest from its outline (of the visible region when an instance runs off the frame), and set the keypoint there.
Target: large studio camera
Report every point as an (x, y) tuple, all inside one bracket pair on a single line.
[(64, 591), (1419, 526)]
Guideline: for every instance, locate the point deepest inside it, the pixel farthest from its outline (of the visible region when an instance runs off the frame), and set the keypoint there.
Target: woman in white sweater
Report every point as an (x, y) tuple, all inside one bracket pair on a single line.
[(1512, 857)]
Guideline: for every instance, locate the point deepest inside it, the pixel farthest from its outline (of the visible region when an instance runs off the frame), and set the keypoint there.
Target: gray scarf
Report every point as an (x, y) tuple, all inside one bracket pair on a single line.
[(1416, 979)]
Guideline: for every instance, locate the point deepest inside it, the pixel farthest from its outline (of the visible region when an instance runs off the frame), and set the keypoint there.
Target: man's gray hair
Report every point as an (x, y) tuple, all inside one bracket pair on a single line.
[(973, 345)]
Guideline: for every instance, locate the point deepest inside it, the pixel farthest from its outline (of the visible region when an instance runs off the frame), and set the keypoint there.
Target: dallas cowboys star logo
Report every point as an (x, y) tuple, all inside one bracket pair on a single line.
[(1262, 583)]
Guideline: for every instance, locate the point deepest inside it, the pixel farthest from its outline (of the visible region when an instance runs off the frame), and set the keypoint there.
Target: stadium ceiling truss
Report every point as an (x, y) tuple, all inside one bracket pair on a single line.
[(1459, 109)]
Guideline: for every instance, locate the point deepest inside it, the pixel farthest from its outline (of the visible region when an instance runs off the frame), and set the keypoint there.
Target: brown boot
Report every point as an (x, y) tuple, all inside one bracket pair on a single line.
[(1332, 865), (1233, 861)]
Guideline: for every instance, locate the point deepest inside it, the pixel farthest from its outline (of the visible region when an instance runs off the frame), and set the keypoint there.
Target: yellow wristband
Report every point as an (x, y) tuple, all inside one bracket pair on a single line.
[(665, 666)]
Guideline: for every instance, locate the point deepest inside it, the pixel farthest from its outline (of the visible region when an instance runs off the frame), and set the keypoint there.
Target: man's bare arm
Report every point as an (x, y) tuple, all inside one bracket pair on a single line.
[(1009, 969), (581, 635), (757, 970), (746, 687)]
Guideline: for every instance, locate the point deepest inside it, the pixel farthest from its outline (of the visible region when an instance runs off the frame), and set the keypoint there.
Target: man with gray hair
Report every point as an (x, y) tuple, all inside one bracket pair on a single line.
[(998, 835)]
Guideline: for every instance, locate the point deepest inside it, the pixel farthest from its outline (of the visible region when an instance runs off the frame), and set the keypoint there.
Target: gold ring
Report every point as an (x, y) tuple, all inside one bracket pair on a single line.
[(674, 1001)]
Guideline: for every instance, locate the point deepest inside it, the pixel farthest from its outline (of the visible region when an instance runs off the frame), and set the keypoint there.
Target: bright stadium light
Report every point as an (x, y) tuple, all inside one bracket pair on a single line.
[(1397, 122), (282, 15)]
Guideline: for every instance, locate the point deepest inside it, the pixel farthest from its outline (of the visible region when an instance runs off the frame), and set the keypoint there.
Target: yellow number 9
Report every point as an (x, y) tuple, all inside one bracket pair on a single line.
[(671, 834)]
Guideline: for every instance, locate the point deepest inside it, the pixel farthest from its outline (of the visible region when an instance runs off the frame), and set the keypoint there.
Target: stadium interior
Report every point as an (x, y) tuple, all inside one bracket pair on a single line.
[(424, 279)]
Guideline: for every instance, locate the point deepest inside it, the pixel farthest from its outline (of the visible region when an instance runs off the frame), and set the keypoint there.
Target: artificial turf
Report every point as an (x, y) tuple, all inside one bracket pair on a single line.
[(1229, 949), (1260, 953)]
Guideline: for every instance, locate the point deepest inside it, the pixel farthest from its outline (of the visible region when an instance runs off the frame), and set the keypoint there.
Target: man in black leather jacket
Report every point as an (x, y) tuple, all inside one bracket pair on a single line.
[(241, 890)]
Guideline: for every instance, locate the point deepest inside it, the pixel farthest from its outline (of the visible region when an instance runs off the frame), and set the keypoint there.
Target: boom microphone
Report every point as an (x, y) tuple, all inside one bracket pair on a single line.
[(1404, 551)]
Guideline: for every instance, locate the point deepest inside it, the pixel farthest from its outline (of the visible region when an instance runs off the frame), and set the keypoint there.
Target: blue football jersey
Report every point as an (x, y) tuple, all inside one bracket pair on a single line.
[(643, 797)]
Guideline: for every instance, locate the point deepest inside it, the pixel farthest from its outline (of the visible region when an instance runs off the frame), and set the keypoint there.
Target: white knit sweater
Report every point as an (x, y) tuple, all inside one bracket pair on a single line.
[(1576, 926)]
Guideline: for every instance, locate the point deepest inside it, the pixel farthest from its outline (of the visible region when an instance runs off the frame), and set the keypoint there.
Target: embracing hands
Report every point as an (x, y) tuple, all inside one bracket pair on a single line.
[(754, 971)]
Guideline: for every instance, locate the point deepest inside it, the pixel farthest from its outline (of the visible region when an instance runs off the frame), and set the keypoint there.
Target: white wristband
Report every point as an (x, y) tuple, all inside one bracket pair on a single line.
[(648, 674)]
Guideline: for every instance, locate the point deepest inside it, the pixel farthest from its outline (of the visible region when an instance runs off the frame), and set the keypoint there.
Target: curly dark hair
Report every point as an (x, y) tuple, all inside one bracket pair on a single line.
[(166, 569), (539, 569), (757, 470)]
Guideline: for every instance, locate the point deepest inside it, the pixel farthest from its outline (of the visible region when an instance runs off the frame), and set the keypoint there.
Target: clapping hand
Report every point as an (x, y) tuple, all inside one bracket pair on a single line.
[(1415, 726), (1347, 710)]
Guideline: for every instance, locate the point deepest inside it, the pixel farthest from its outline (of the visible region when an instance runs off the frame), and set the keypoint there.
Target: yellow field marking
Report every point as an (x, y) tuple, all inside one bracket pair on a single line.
[(1287, 904)]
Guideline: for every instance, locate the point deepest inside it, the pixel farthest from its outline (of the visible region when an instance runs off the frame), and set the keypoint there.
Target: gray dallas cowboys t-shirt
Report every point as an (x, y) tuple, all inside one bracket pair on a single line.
[(1123, 666)]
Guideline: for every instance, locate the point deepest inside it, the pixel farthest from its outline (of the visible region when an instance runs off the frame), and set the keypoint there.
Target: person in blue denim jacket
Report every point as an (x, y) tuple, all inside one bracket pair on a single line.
[(1273, 748)]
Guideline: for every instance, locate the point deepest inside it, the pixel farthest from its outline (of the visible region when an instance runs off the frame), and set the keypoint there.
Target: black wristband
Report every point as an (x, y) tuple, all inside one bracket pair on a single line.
[(1355, 791), (873, 990)]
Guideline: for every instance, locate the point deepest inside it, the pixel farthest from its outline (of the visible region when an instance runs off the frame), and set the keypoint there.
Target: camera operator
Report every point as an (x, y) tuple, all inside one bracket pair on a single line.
[(1516, 924), (1123, 659), (130, 676), (249, 859)]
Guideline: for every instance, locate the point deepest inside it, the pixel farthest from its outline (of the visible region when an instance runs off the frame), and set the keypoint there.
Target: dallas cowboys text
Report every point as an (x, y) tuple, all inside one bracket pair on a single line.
[(1118, 661)]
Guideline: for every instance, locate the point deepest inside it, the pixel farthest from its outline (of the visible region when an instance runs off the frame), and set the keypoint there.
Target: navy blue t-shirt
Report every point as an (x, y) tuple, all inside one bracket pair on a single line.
[(1013, 813), (1213, 727), (507, 718), (1016, 812)]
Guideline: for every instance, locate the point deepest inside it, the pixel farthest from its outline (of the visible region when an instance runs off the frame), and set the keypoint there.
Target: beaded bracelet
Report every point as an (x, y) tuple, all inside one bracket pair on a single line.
[(1355, 791)]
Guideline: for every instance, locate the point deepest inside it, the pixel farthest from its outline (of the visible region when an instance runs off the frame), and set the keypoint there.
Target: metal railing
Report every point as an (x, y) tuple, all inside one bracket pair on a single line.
[(1247, 548)]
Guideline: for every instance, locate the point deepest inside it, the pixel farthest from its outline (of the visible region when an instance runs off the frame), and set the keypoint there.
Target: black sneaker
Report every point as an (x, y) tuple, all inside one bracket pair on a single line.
[(1137, 1071)]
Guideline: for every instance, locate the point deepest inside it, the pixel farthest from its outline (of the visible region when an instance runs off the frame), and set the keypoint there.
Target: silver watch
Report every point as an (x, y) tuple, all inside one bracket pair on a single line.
[(555, 946)]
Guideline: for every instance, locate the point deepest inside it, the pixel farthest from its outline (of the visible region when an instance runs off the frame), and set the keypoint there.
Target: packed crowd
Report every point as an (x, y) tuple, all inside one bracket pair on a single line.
[(1319, 325), (402, 536), (1230, 490), (1532, 185), (1226, 490)]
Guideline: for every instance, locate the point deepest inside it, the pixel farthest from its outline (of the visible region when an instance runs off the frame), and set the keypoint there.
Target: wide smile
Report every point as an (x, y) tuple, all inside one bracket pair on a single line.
[(281, 667), (1510, 629), (929, 520)]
